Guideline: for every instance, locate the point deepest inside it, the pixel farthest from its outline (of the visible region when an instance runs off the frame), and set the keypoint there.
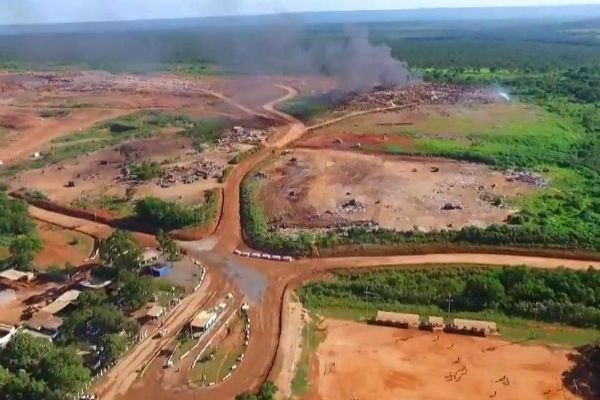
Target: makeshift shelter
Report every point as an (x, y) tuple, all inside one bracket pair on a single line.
[(17, 276), (149, 256), (44, 323), (155, 312), (62, 302)]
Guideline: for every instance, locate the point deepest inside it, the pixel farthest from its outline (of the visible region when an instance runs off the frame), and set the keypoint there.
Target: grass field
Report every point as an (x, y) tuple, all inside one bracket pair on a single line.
[(136, 126), (311, 338), (215, 369), (120, 207)]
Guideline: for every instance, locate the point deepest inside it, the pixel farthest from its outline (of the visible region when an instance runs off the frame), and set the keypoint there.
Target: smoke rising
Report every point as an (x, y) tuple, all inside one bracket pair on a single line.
[(255, 45), (285, 49)]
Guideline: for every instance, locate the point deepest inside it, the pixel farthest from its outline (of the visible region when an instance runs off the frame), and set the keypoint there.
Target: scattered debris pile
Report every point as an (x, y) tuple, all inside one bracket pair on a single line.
[(190, 174), (421, 93), (352, 206), (528, 178), (241, 135), (452, 206)]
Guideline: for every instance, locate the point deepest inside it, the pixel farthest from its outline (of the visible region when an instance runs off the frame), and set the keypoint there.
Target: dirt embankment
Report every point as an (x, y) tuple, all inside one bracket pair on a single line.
[(107, 218), (193, 234)]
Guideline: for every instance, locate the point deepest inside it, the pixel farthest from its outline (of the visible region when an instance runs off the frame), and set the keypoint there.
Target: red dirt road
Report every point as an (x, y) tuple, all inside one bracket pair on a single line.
[(263, 352)]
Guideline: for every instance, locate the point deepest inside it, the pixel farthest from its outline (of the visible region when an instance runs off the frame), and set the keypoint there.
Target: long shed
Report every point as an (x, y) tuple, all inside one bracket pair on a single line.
[(400, 320)]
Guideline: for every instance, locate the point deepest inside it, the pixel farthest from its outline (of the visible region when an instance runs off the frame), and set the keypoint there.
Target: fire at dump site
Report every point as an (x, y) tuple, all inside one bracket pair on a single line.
[(283, 207)]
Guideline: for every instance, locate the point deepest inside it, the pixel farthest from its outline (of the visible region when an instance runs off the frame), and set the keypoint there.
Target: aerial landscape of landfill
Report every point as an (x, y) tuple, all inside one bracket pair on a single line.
[(356, 205)]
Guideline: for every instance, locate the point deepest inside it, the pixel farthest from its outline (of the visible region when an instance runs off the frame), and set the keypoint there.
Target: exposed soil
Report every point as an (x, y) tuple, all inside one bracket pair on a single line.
[(33, 132), (266, 313), (62, 246), (326, 188), (358, 361), (100, 174)]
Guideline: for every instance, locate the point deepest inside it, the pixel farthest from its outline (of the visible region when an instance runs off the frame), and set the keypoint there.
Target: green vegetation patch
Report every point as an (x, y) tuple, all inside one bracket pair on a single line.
[(146, 171), (119, 206), (311, 338), (137, 126), (168, 216), (519, 298)]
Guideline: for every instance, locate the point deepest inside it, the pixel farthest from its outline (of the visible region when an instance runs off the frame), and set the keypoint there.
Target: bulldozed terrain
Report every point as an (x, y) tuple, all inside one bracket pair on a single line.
[(369, 362), (331, 188)]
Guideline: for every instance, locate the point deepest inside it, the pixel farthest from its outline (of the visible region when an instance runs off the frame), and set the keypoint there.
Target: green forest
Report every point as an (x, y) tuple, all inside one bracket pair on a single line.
[(564, 296)]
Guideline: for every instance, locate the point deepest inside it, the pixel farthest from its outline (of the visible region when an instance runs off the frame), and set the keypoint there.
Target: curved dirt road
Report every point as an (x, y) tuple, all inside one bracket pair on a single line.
[(263, 356)]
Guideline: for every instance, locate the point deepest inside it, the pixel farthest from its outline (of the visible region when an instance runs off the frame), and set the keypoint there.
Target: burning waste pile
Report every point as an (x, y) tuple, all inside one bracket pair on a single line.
[(417, 94)]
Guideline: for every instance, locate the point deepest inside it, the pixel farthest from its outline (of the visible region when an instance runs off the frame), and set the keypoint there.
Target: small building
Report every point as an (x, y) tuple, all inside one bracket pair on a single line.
[(44, 323), (434, 324), (473, 327), (17, 276), (155, 312), (160, 270), (6, 334), (399, 320), (203, 321), (149, 256), (61, 302)]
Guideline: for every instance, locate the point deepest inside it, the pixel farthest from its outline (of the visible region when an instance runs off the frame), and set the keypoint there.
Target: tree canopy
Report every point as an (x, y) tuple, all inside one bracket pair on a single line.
[(561, 295), (33, 368), (120, 251), (23, 250)]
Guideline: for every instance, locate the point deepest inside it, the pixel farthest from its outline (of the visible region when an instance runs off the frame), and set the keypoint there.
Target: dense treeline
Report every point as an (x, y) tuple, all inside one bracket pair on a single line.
[(581, 84), (566, 296), (168, 216)]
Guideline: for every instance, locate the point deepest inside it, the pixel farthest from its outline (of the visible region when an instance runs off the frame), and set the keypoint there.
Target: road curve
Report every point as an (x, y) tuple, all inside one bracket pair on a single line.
[(262, 354)]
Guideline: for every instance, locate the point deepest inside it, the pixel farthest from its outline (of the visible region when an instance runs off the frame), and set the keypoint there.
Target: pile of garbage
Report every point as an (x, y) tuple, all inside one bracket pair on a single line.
[(418, 94), (190, 174), (528, 178), (352, 206)]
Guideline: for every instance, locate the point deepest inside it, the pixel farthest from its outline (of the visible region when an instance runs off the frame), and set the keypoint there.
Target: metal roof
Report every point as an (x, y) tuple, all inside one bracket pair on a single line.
[(14, 275), (474, 324), (384, 316), (62, 302), (155, 312), (202, 319), (45, 321)]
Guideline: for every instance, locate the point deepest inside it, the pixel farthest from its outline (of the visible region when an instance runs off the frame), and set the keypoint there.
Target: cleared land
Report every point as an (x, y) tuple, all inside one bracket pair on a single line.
[(62, 245), (358, 361), (326, 188)]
